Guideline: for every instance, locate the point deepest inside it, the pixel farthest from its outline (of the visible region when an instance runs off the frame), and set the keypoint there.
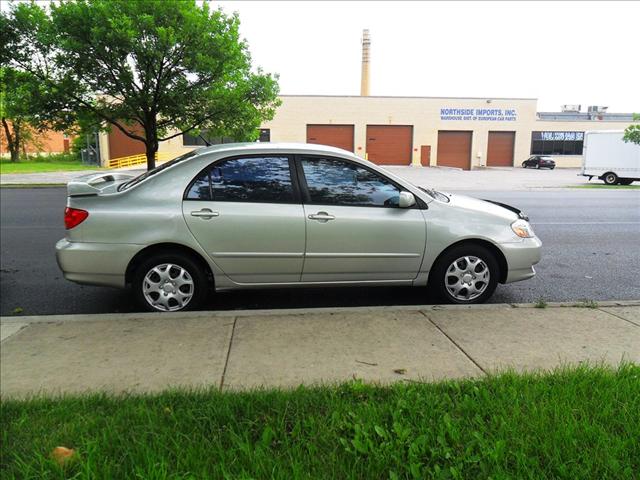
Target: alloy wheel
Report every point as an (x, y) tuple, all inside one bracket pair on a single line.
[(168, 287), (467, 278)]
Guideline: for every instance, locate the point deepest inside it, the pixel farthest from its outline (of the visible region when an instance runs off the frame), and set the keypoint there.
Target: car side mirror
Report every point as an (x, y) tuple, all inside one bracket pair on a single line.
[(406, 200)]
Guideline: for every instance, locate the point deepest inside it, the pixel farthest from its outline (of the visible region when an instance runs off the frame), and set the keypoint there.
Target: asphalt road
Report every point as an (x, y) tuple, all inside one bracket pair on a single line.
[(591, 241)]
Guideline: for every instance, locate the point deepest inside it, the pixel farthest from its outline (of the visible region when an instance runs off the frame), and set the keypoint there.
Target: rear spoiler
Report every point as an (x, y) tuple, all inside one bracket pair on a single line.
[(94, 183)]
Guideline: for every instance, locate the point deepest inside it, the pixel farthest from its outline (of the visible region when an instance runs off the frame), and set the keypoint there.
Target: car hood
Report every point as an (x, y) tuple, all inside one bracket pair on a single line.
[(489, 207)]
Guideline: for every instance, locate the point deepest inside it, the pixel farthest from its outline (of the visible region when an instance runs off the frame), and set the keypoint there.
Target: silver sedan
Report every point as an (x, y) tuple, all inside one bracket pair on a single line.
[(285, 215)]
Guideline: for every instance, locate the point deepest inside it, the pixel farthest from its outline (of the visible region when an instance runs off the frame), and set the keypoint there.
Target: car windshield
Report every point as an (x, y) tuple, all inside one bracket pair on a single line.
[(159, 168)]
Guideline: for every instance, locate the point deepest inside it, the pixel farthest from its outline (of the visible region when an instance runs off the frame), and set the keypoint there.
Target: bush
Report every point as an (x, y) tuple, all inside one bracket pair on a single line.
[(66, 157)]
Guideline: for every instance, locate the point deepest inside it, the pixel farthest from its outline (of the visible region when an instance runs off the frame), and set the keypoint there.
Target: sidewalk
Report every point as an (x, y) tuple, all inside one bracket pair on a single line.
[(43, 178), (248, 349), (63, 177)]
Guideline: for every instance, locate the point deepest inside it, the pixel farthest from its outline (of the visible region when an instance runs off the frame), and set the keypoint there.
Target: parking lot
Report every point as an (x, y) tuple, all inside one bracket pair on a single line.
[(494, 178)]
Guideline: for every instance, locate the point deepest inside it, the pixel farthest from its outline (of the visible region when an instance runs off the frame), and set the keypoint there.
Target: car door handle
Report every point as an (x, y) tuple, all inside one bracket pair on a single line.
[(205, 213), (321, 217)]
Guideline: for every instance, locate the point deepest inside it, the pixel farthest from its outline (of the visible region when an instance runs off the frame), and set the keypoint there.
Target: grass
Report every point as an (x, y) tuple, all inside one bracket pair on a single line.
[(586, 304), (572, 423), (541, 303), (44, 163), (603, 186)]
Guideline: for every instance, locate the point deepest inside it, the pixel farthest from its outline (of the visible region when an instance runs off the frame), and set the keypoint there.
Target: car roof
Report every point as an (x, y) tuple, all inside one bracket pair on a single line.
[(275, 147)]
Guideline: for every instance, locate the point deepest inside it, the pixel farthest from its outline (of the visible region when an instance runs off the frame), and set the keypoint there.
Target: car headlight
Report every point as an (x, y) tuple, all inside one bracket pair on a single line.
[(523, 229)]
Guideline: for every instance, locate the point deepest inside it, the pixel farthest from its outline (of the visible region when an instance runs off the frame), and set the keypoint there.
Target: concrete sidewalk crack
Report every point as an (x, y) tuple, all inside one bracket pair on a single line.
[(621, 318), (454, 342), (226, 360)]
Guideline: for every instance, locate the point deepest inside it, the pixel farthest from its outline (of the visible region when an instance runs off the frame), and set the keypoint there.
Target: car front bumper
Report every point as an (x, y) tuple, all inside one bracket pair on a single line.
[(521, 257), (95, 263)]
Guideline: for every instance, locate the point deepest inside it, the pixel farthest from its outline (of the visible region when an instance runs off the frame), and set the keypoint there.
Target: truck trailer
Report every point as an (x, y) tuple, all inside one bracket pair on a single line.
[(607, 156)]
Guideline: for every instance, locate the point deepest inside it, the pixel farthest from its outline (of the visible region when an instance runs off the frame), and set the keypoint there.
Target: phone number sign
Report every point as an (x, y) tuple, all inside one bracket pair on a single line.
[(479, 114)]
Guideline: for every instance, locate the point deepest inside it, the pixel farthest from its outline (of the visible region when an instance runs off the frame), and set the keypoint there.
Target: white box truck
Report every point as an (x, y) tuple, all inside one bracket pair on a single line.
[(606, 156)]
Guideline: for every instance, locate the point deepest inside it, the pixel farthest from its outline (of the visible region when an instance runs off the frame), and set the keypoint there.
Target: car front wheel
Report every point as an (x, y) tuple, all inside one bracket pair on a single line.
[(170, 283), (524, 164), (465, 274)]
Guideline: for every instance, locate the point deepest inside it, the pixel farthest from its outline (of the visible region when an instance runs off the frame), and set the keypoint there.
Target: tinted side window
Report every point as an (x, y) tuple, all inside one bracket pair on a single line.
[(200, 188), (336, 182), (255, 179)]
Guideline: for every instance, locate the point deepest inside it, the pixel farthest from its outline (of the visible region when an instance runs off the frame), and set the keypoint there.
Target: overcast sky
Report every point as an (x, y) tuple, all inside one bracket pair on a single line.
[(559, 52)]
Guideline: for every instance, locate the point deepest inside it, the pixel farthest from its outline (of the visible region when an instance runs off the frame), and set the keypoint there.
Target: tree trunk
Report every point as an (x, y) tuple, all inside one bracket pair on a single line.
[(151, 135), (13, 140), (151, 155)]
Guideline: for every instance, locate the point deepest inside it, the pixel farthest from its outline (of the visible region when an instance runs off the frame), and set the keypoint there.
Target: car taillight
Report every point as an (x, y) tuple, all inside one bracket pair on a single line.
[(74, 217)]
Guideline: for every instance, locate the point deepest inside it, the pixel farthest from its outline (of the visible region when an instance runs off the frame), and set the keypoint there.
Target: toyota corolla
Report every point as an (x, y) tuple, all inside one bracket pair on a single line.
[(285, 215)]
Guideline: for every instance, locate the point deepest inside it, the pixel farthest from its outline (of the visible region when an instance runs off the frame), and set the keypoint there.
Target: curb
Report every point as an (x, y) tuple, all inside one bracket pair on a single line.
[(299, 311)]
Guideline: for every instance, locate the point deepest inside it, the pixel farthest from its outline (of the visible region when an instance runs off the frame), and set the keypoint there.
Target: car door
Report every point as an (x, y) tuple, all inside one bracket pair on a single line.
[(355, 229), (246, 213)]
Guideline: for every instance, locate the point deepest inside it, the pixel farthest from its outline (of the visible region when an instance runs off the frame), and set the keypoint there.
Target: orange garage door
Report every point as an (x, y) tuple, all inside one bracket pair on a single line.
[(500, 150), (340, 136), (389, 144), (454, 149)]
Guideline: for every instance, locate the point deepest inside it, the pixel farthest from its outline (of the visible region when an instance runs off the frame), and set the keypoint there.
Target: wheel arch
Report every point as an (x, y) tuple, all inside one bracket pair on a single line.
[(497, 253), (166, 247)]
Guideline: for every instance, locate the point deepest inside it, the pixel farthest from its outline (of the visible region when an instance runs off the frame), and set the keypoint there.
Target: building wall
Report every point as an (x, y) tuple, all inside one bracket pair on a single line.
[(47, 142), (174, 147), (424, 113), (120, 145), (572, 126)]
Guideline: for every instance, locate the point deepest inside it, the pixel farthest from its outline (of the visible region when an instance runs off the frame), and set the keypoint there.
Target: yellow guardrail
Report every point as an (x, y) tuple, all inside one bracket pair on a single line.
[(137, 159)]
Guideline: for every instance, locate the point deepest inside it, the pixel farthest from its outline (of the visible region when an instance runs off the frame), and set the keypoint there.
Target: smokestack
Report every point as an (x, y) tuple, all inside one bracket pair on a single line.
[(364, 79)]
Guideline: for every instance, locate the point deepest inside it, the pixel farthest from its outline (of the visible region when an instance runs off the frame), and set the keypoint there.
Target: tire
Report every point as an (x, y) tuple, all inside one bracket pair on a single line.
[(443, 278), (625, 181), (524, 164), (610, 178), (171, 269)]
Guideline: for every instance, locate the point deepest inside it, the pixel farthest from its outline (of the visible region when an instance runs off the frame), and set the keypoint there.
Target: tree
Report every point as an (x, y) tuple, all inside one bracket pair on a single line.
[(24, 107), (632, 132), (154, 70)]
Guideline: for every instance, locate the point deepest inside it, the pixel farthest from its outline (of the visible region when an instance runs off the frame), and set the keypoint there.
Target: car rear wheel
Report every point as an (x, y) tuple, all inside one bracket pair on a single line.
[(610, 178), (465, 274), (170, 283)]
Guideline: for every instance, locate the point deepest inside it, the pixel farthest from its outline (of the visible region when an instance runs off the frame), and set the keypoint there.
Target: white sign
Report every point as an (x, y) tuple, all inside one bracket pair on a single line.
[(479, 114)]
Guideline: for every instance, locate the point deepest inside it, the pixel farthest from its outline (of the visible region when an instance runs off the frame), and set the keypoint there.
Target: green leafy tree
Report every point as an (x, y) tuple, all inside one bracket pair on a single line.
[(152, 69), (632, 132), (25, 110)]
